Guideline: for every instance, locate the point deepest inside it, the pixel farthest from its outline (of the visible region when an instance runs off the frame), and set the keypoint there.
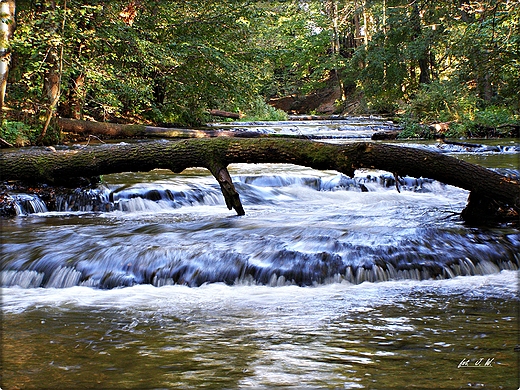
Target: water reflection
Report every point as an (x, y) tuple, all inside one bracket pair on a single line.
[(380, 335)]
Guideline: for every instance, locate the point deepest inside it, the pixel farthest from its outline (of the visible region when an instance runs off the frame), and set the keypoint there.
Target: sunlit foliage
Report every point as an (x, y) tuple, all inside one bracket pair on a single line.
[(169, 62)]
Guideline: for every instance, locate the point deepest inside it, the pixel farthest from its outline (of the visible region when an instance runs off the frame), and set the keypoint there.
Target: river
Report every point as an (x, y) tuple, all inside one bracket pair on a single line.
[(327, 282)]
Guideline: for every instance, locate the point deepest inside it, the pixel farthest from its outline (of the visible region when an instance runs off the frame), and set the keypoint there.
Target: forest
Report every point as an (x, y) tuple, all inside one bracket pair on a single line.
[(421, 62)]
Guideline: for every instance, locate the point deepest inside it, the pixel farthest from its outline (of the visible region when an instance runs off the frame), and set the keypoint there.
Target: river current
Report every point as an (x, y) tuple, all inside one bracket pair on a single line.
[(149, 282)]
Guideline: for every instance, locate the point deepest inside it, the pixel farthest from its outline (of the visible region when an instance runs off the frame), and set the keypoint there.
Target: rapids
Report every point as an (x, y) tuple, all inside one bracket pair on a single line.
[(302, 227)]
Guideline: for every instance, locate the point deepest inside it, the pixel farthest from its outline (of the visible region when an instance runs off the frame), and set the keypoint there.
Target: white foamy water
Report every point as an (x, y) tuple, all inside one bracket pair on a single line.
[(302, 227), (220, 300)]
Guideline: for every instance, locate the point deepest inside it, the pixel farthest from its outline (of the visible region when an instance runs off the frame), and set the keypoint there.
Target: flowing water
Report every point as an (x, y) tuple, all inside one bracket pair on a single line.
[(149, 282)]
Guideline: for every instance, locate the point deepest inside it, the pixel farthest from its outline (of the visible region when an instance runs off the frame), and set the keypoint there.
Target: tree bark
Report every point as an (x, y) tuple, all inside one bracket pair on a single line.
[(55, 167), (7, 26), (115, 130), (72, 107), (53, 74), (225, 114), (423, 57)]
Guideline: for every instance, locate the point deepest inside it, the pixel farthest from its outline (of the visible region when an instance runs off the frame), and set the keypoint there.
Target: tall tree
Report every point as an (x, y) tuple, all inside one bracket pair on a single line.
[(423, 50), (7, 26), (53, 59)]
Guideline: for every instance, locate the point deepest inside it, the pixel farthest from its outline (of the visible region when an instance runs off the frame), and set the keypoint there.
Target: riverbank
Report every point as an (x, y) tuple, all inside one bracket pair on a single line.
[(489, 124)]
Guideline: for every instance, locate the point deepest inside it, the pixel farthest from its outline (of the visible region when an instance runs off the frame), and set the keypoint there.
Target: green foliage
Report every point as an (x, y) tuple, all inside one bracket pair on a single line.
[(490, 121), (294, 39), (162, 61), (494, 116), (414, 129), (169, 62), (442, 102), (259, 110), (469, 53), (18, 133), (486, 122)]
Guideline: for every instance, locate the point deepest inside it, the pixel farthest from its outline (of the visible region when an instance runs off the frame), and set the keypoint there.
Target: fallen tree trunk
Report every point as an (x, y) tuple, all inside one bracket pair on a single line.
[(317, 117), (55, 167), (385, 135), (115, 130), (5, 144), (225, 114)]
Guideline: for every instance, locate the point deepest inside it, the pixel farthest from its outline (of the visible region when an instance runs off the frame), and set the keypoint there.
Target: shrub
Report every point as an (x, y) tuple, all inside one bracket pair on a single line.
[(486, 121), (442, 102), (414, 129), (17, 133), (259, 110), (494, 116)]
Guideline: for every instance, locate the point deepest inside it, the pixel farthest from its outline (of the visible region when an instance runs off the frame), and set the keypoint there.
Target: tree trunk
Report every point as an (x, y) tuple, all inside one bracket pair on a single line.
[(115, 130), (7, 26), (332, 10), (225, 114), (365, 24), (52, 76), (72, 106), (50, 166), (423, 57)]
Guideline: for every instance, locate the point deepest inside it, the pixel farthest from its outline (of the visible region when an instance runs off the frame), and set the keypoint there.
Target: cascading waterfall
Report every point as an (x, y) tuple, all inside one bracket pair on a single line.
[(300, 229), (24, 204), (394, 283), (161, 196)]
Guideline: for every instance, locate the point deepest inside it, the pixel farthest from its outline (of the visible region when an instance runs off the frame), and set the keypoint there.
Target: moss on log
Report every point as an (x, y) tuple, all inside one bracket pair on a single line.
[(56, 167), (116, 130)]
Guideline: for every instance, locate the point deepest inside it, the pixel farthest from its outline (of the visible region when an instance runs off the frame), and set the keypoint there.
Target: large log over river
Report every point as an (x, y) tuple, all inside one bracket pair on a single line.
[(489, 190)]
